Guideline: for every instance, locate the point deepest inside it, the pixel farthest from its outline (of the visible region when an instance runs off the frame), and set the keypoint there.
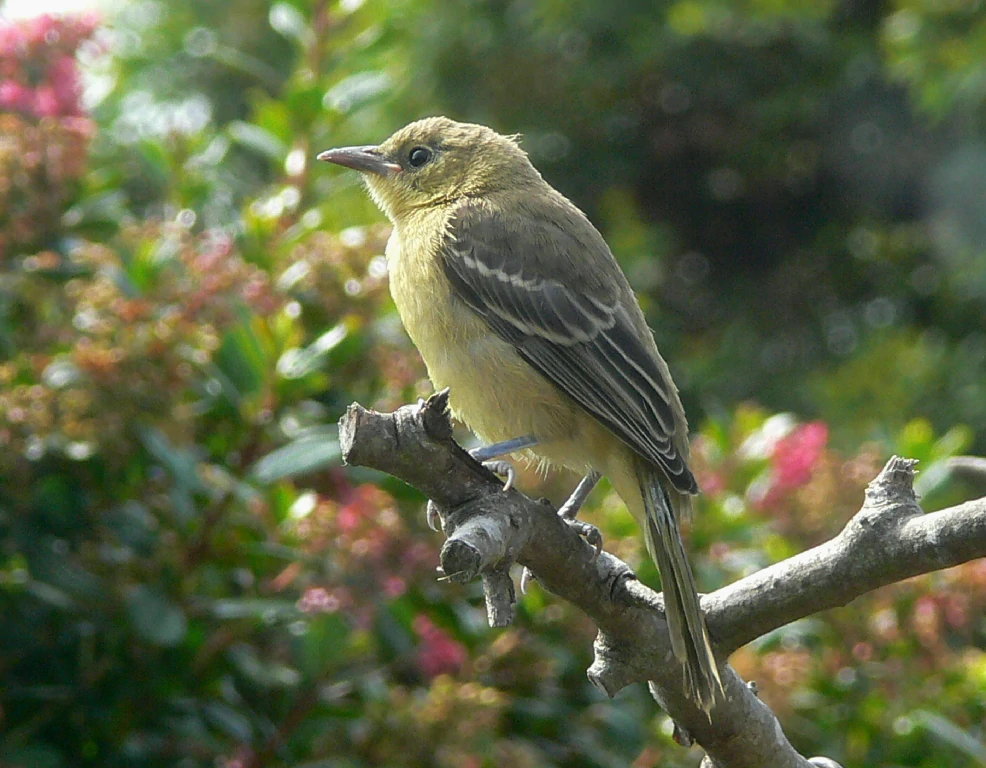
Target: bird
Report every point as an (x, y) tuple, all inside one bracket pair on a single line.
[(518, 306)]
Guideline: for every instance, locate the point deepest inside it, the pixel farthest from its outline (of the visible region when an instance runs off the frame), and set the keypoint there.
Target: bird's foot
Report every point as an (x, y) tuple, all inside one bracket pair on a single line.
[(571, 508), (574, 503), (587, 531), (567, 512), (503, 469), (496, 450)]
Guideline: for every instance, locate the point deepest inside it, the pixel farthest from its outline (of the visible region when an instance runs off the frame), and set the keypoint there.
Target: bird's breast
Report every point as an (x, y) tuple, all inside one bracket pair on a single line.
[(493, 390)]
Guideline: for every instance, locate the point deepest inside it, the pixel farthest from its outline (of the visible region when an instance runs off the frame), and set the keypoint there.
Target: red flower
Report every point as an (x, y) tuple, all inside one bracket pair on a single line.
[(12, 38), (43, 29), (15, 96), (394, 586), (64, 78), (349, 517), (439, 653), (711, 483), (796, 455), (45, 102), (793, 461)]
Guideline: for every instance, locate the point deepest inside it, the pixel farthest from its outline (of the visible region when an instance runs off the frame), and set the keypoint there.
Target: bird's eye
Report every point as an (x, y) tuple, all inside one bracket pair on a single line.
[(418, 156)]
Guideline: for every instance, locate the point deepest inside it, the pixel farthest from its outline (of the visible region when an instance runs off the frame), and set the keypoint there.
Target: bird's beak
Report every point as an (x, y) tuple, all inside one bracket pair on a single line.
[(363, 159)]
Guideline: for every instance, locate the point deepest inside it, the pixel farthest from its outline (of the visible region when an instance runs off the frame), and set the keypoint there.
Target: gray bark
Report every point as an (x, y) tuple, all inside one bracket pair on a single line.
[(488, 530)]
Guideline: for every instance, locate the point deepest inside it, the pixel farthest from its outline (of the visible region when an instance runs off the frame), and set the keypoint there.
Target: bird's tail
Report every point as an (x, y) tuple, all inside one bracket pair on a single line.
[(686, 622)]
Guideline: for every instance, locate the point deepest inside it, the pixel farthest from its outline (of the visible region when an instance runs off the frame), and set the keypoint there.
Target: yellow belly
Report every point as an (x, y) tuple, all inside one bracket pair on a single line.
[(492, 389)]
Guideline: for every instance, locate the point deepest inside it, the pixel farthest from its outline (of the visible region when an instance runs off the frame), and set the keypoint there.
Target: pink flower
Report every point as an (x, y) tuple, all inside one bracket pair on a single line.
[(15, 96), (349, 517), (319, 600), (64, 78), (43, 29), (793, 461), (957, 610), (439, 653), (926, 620), (45, 102), (863, 651), (711, 483), (87, 23), (394, 586), (12, 38), (796, 455)]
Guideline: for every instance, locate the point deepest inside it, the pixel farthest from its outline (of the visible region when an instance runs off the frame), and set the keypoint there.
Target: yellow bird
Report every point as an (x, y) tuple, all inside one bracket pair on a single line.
[(517, 304)]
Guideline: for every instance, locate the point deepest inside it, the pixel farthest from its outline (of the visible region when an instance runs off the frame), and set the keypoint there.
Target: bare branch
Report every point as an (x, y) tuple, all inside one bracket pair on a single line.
[(489, 529), (888, 540)]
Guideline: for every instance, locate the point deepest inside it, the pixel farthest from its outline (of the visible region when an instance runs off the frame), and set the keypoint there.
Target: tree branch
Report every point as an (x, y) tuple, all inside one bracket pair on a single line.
[(487, 530), (888, 540)]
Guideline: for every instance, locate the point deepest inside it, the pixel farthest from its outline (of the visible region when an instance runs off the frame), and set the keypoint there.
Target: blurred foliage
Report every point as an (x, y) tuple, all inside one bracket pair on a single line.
[(188, 577)]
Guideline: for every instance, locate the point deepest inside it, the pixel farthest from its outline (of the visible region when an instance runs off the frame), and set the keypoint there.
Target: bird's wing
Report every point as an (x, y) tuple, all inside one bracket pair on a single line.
[(580, 337)]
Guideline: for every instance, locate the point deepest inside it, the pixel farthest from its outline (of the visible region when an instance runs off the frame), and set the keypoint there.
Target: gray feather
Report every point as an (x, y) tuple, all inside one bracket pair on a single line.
[(686, 621), (575, 333)]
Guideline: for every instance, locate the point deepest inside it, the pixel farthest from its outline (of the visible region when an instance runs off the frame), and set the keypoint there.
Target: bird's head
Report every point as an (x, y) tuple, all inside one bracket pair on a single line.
[(434, 161)]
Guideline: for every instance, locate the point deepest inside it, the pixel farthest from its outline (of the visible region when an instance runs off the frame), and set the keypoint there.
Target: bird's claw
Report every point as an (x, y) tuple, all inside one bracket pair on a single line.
[(503, 469), (433, 516), (588, 532), (526, 577)]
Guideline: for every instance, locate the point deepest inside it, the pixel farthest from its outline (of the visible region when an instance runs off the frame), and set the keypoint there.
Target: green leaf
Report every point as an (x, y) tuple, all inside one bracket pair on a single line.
[(324, 645), (253, 66), (229, 721), (275, 117), (242, 361), (357, 90), (932, 477), (298, 363), (98, 216), (155, 163), (134, 526), (155, 617), (181, 465), (948, 732), (288, 20), (266, 610), (260, 670), (314, 450), (59, 576), (258, 139), (958, 439), (393, 634), (49, 594)]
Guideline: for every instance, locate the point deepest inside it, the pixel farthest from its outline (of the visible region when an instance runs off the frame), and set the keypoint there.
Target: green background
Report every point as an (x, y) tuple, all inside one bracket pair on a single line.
[(189, 577)]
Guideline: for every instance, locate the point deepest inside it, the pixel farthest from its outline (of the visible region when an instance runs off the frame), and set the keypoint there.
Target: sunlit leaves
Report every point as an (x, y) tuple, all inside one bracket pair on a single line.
[(313, 450), (258, 140), (937, 50), (289, 21), (357, 90)]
